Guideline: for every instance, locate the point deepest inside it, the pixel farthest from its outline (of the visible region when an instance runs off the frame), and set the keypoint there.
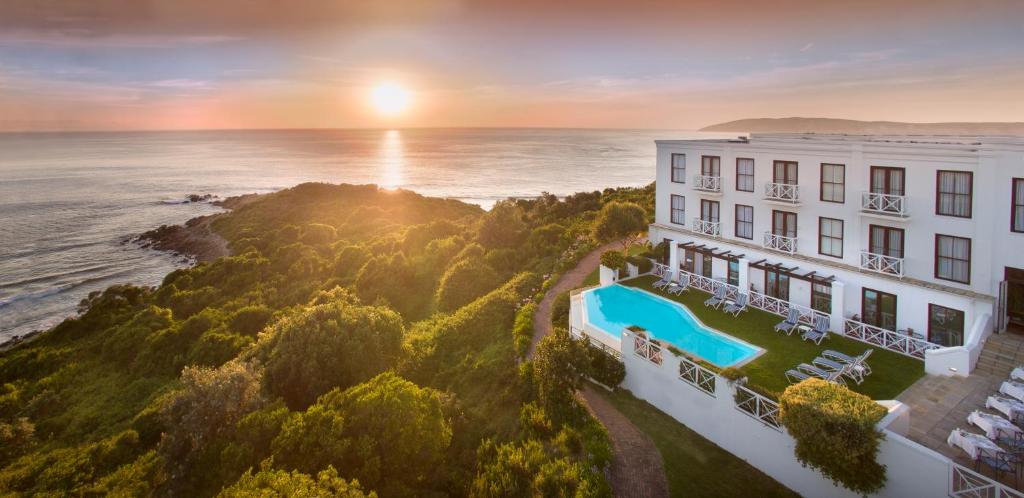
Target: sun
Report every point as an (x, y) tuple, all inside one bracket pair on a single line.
[(390, 98)]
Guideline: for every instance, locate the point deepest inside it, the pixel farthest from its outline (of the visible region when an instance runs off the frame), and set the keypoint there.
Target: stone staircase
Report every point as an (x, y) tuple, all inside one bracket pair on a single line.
[(1002, 353)]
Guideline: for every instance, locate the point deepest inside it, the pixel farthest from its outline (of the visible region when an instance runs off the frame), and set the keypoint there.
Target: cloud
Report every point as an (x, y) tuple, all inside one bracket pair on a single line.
[(807, 47)]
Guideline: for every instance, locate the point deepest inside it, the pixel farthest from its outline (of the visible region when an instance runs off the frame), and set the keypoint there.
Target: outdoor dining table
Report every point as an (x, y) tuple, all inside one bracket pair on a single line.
[(972, 444), (1017, 374), (1013, 388), (1012, 408), (992, 424)]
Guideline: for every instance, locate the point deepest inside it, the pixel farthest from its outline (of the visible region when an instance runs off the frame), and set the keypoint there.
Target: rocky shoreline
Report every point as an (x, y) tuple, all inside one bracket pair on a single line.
[(195, 239)]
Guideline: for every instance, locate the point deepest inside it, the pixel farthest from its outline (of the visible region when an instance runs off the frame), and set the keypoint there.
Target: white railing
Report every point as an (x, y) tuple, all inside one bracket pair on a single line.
[(779, 242), (781, 307), (756, 299), (595, 343), (895, 205), (964, 482), (782, 192), (881, 263), (707, 183), (648, 350), (758, 407), (697, 376), (893, 341), (712, 228)]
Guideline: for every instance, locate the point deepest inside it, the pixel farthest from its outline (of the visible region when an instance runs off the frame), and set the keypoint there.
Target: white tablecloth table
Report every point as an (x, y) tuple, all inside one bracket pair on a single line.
[(972, 444), (1010, 407), (1017, 374), (1013, 388), (992, 424)]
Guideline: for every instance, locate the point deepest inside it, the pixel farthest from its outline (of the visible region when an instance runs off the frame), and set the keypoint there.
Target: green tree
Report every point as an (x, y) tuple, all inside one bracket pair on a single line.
[(463, 282), (502, 226), (560, 364), (620, 220), (331, 345)]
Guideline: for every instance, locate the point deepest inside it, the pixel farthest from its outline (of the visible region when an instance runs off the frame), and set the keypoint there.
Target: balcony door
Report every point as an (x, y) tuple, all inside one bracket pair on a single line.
[(776, 284), (784, 223), (709, 210), (878, 308), (785, 172), (711, 166), (887, 180), (886, 241)]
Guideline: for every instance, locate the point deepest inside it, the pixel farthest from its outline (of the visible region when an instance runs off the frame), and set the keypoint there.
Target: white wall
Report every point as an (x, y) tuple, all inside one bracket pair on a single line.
[(912, 470)]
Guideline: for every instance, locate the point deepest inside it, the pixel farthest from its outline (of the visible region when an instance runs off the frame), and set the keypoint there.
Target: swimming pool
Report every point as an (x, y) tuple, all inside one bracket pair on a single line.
[(616, 307)]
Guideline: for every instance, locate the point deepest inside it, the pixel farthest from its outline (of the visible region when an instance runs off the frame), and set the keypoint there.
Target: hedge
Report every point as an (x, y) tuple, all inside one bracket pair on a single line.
[(835, 432), (522, 329)]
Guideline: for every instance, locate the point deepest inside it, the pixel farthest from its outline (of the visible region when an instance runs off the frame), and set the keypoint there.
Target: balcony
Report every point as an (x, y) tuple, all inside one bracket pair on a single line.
[(782, 192), (880, 263), (712, 228), (886, 205), (779, 243), (707, 183)]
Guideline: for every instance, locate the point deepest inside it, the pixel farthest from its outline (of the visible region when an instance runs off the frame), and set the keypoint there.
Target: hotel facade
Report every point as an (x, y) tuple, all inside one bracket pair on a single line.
[(915, 240)]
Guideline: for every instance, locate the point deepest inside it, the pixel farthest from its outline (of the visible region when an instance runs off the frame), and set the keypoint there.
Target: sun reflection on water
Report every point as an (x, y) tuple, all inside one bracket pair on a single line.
[(392, 156)]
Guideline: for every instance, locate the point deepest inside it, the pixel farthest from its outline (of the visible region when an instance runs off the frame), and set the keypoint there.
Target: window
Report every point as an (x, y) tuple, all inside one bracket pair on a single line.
[(784, 223), (887, 180), (678, 210), (945, 326), (833, 182), (830, 237), (744, 174), (679, 168), (709, 210), (1017, 216), (953, 192), (821, 297), (705, 265), (953, 258), (885, 241), (878, 308), (744, 221), (710, 166), (688, 260), (734, 273), (776, 284), (784, 172)]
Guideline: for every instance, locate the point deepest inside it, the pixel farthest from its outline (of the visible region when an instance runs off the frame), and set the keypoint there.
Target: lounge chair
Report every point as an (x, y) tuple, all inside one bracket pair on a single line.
[(789, 324), (861, 360), (814, 371), (738, 306), (666, 280), (717, 299), (819, 332), (794, 376), (677, 288), (851, 370)]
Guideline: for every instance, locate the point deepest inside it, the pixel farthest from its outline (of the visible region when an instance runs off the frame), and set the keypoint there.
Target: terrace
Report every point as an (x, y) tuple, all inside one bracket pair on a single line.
[(892, 373)]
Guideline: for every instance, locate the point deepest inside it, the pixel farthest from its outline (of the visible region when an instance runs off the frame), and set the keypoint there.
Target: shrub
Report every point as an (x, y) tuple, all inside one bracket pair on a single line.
[(560, 310), (250, 320), (559, 365), (465, 281), (605, 368), (613, 259), (619, 219), (835, 432), (270, 483), (522, 329)]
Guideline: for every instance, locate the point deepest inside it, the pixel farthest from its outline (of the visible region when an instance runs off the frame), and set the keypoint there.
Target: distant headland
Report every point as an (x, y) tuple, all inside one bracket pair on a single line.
[(829, 125)]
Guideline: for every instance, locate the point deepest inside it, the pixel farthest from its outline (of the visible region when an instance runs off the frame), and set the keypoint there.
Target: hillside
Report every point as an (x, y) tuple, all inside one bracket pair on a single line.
[(849, 126), (355, 342)]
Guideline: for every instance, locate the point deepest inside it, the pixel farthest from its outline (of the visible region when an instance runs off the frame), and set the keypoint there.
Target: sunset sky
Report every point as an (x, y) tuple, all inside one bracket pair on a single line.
[(189, 64)]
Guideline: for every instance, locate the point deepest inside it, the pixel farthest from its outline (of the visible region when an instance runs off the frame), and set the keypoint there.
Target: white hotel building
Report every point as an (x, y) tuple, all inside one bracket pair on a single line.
[(914, 236)]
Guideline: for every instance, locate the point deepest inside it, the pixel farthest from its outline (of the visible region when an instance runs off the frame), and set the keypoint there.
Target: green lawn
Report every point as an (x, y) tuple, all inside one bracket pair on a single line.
[(891, 373), (694, 466)]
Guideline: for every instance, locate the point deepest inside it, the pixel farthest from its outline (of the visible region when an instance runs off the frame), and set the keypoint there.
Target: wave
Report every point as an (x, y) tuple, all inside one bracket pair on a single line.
[(55, 276), (43, 293)]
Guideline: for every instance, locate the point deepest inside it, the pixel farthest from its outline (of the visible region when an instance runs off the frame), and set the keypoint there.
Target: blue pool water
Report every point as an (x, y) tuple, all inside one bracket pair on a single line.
[(616, 307)]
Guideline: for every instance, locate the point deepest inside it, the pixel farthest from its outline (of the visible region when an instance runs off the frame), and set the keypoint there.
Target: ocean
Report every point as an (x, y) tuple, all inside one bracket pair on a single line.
[(69, 200)]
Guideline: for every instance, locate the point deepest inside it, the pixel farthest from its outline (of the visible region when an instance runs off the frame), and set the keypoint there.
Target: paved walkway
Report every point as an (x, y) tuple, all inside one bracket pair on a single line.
[(637, 468)]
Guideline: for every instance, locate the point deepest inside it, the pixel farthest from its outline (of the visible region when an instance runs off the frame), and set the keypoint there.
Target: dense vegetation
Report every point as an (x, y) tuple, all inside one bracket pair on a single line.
[(357, 342)]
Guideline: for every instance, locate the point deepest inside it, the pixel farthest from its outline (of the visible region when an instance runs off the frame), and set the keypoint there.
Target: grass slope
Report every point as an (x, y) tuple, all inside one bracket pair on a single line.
[(892, 373), (694, 465)]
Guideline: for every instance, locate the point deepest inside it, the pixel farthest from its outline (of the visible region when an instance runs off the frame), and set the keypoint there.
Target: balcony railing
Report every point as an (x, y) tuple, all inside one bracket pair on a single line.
[(707, 183), (881, 263), (888, 204), (712, 228), (782, 192), (779, 242), (893, 341), (647, 349), (756, 299), (759, 407), (697, 376)]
